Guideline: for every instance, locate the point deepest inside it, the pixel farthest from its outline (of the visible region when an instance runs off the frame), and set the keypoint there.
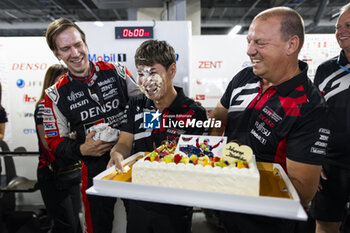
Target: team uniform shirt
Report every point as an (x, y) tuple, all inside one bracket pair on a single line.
[(333, 80), (75, 104), (286, 121), (182, 109), (45, 156)]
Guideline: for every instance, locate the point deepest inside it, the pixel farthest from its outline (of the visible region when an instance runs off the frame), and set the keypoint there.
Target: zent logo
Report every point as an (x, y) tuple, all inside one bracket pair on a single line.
[(151, 120), (209, 64)]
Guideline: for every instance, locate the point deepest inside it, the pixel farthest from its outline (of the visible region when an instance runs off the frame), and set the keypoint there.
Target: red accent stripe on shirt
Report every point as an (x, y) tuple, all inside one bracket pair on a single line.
[(63, 80), (91, 74), (290, 105), (280, 156), (300, 88), (84, 184), (105, 65), (251, 105), (265, 97)]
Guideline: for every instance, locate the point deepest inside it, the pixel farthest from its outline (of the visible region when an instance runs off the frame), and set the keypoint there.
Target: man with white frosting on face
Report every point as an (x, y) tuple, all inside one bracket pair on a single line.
[(156, 66)]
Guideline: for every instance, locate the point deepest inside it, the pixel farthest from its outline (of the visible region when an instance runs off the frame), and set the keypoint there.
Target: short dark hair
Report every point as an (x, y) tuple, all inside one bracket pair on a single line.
[(291, 22), (56, 27), (151, 52)]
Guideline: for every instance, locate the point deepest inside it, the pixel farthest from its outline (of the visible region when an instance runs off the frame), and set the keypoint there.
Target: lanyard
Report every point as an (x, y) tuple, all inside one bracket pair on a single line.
[(343, 67)]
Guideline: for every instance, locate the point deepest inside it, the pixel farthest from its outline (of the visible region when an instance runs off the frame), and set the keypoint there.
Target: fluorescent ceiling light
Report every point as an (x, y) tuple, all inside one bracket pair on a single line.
[(235, 30), (98, 23)]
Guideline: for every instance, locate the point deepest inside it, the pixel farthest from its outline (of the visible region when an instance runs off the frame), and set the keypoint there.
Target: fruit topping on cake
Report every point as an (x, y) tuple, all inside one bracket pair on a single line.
[(195, 160)]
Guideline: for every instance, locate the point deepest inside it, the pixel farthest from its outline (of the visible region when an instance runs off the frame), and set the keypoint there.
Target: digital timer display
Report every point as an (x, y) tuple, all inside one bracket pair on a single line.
[(133, 32)]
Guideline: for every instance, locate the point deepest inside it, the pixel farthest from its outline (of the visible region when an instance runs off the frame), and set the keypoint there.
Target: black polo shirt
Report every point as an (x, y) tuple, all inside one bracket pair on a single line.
[(286, 121), (333, 79), (182, 109)]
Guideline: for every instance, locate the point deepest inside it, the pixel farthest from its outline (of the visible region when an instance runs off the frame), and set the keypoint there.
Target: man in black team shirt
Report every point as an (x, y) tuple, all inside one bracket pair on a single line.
[(333, 79), (275, 109), (88, 94), (156, 66)]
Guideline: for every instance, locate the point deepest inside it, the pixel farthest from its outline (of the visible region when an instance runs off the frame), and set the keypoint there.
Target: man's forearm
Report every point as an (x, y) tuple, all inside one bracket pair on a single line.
[(305, 192), (305, 178), (122, 149)]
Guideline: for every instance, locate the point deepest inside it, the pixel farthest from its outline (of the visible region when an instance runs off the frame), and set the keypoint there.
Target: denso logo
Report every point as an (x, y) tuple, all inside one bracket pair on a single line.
[(209, 64), (28, 99), (95, 111), (29, 66), (75, 95)]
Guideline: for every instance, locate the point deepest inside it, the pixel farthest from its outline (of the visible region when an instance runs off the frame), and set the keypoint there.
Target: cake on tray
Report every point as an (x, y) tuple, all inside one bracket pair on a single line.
[(204, 163)]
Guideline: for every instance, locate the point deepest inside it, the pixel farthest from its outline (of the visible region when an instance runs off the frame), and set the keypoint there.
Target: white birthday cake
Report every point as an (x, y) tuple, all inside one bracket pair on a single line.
[(204, 163)]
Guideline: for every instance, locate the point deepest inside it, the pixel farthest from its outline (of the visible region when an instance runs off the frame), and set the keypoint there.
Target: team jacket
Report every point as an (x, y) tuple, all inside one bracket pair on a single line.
[(286, 121), (333, 79), (45, 156), (74, 104), (182, 109)]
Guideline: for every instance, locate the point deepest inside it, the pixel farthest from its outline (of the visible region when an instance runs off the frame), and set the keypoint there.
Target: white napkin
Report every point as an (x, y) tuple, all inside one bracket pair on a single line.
[(104, 133)]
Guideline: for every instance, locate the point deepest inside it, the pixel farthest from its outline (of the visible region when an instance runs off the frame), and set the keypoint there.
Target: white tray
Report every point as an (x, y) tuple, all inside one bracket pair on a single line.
[(261, 205)]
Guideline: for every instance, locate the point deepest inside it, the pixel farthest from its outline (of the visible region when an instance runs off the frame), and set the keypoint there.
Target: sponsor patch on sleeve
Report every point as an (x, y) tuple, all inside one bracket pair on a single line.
[(49, 126), (51, 134), (120, 69), (48, 111), (318, 151), (325, 131), (52, 93), (49, 119)]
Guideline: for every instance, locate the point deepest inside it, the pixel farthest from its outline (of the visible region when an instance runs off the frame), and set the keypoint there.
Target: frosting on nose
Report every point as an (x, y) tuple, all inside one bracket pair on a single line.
[(149, 83)]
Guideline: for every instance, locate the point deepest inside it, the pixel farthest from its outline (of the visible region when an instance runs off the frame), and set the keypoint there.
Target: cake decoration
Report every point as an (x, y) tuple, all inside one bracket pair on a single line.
[(201, 153), (201, 147), (197, 163), (233, 152)]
